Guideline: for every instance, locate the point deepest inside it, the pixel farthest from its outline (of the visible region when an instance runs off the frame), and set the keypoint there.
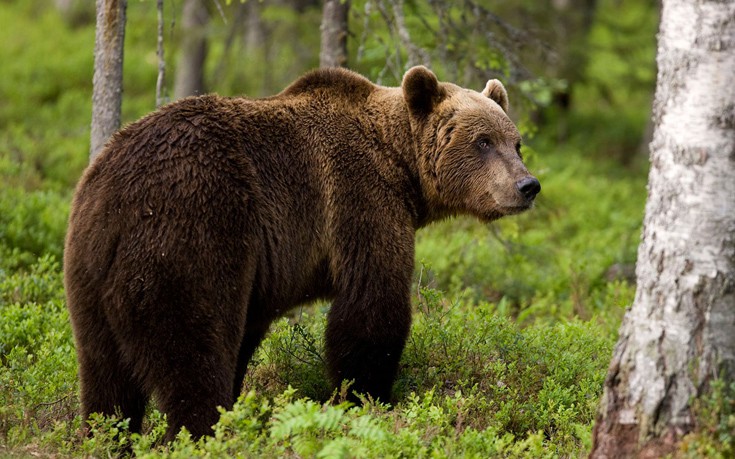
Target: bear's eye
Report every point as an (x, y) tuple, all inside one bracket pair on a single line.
[(484, 145), (518, 150)]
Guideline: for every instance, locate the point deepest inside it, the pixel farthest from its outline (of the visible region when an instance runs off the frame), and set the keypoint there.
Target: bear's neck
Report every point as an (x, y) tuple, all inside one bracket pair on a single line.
[(389, 119)]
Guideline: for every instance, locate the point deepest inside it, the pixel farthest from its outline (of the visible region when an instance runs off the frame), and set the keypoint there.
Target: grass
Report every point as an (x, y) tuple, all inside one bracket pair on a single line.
[(514, 322)]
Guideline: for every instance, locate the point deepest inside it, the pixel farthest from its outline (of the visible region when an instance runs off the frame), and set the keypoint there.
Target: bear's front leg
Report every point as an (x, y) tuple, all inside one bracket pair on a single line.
[(370, 318), (365, 348)]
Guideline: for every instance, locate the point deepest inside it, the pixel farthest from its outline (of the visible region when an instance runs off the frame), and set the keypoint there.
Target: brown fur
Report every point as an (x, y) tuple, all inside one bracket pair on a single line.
[(201, 223)]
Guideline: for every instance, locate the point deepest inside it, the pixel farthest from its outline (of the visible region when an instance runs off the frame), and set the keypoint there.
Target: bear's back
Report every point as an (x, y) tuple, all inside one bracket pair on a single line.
[(336, 82)]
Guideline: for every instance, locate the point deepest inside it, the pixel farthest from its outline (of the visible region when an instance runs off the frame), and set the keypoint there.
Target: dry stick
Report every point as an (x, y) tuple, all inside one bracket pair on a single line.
[(159, 52), (55, 402), (221, 12)]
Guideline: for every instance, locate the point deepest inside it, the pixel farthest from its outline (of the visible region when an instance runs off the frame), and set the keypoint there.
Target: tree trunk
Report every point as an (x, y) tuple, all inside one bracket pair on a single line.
[(161, 80), (189, 78), (680, 331), (255, 32), (108, 65), (333, 51), (75, 12)]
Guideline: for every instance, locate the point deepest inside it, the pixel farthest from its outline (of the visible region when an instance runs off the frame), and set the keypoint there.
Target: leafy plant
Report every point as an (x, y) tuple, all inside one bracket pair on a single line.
[(513, 323)]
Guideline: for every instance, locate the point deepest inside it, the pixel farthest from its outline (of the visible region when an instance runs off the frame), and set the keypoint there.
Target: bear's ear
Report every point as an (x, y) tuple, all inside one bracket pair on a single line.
[(421, 90), (495, 90)]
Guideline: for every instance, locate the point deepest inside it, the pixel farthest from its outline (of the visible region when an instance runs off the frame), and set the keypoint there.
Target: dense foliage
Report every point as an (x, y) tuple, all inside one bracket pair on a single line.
[(514, 322)]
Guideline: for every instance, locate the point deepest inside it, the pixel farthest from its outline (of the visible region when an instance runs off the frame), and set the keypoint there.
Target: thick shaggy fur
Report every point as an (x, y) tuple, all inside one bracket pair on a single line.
[(201, 223)]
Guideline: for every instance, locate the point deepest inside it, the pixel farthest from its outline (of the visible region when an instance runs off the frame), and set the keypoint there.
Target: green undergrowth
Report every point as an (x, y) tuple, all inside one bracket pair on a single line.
[(471, 383), (714, 435), (514, 321)]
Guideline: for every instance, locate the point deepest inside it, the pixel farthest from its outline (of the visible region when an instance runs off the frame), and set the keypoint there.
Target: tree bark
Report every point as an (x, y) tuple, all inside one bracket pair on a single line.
[(333, 51), (108, 65), (680, 332), (189, 78), (161, 80)]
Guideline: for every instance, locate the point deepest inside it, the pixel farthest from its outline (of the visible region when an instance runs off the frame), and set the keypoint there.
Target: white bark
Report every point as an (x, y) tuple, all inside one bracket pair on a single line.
[(680, 332), (108, 64)]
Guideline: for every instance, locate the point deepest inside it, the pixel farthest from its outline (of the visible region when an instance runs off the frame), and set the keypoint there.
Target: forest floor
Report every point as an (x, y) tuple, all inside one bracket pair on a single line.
[(513, 328)]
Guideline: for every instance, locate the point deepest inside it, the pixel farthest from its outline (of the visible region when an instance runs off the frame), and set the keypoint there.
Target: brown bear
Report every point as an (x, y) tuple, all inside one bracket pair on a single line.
[(201, 223)]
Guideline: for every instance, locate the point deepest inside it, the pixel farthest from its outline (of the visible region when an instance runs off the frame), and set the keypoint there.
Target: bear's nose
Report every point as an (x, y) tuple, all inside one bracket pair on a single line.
[(529, 187)]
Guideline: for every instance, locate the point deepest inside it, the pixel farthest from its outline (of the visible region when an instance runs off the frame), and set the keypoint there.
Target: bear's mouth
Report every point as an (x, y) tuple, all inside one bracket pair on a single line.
[(498, 209), (504, 211), (517, 208), (521, 202), (515, 205)]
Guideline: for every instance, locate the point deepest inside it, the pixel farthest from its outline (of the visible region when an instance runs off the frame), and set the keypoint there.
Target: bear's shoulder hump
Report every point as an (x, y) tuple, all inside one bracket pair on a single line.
[(332, 80)]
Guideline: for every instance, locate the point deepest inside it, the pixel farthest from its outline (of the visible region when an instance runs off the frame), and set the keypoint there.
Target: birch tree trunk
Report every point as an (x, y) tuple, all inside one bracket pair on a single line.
[(333, 51), (189, 78), (108, 65), (680, 332)]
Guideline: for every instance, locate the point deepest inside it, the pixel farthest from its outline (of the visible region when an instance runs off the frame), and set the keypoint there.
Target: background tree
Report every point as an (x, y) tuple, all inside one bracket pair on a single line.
[(76, 12), (333, 52), (108, 67), (189, 79), (531, 305), (161, 96), (679, 335)]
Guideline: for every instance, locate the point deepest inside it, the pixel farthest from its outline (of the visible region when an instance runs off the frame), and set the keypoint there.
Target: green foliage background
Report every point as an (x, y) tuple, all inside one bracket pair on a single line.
[(514, 322)]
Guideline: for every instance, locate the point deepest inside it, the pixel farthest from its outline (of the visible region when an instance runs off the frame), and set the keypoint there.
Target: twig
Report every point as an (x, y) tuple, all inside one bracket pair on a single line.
[(221, 12), (55, 402), (416, 55), (229, 40)]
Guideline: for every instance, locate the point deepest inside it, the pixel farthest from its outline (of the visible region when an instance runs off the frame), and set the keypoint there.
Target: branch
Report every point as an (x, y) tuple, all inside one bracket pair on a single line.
[(416, 55)]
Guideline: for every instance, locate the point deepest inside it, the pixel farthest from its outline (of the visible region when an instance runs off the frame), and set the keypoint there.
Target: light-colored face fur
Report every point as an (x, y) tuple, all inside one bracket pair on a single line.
[(469, 150)]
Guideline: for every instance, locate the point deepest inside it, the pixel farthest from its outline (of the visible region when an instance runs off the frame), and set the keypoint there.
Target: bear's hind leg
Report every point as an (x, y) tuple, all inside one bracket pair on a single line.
[(106, 391), (190, 369), (190, 387), (107, 384), (256, 327), (195, 321)]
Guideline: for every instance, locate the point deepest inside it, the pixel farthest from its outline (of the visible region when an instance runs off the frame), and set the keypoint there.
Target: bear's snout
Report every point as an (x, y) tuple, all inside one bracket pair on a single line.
[(529, 187)]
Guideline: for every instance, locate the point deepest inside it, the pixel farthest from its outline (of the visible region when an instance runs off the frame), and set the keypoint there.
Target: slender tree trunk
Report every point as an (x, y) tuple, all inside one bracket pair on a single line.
[(333, 51), (108, 65), (190, 69), (256, 36), (161, 80), (680, 331)]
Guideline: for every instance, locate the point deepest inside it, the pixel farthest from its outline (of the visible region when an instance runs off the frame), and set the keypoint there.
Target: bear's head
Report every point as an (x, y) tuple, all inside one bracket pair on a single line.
[(468, 149)]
